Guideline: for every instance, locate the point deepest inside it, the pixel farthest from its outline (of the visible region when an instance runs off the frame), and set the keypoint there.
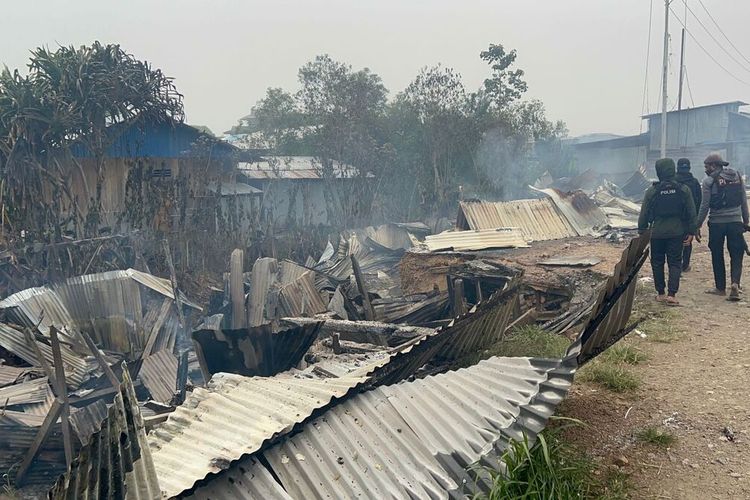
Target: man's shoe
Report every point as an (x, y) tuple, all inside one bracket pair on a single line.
[(734, 293), (686, 269), (672, 301), (716, 291)]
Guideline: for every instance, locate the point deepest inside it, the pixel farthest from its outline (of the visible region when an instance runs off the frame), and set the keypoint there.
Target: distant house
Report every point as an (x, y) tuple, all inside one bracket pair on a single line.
[(165, 168), (300, 190), (692, 133)]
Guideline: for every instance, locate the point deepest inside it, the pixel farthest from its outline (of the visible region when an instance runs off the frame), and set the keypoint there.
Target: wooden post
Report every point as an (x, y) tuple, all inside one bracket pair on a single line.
[(41, 435), (458, 301), (182, 375), (237, 289), (102, 362), (173, 278), (40, 357), (369, 310), (62, 394)]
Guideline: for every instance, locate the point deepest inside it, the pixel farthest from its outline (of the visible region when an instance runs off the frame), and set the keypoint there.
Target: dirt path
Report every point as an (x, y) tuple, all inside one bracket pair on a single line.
[(695, 384)]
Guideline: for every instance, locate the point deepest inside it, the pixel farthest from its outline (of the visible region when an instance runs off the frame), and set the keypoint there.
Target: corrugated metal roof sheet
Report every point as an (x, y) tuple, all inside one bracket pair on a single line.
[(15, 441), (77, 368), (504, 237), (32, 391), (233, 416), (580, 210), (294, 168), (159, 375), (11, 374), (116, 463), (538, 220), (484, 325), (414, 439), (301, 298), (108, 306), (261, 299), (235, 189), (606, 324), (88, 420), (250, 482)]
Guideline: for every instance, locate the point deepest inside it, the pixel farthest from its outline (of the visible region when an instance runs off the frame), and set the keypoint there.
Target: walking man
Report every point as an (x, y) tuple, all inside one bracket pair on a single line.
[(669, 210), (725, 203), (685, 177)]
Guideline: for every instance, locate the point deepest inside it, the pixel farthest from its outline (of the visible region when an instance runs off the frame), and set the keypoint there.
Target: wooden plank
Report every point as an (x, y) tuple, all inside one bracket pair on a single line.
[(237, 289), (62, 393), (369, 310), (41, 435), (102, 362)]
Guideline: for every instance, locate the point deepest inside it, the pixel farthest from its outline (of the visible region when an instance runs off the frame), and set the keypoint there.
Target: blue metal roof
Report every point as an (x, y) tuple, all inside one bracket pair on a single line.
[(159, 140)]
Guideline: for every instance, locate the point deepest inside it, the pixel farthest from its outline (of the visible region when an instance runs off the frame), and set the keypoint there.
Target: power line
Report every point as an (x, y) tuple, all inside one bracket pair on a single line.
[(737, 61), (722, 31), (707, 52), (644, 102)]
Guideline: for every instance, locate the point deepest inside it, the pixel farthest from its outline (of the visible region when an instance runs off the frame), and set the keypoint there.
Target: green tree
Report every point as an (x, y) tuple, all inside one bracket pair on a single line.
[(70, 97)]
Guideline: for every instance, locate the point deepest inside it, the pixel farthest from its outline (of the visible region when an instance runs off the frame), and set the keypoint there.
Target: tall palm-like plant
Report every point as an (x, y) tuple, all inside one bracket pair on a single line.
[(70, 96)]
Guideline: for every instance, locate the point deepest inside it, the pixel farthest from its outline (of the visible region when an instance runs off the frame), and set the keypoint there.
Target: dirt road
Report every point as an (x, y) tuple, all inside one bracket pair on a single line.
[(695, 385)]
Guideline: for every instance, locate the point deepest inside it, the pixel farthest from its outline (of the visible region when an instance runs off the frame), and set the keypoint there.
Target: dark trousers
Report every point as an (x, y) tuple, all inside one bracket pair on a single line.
[(687, 251), (732, 232), (669, 250)]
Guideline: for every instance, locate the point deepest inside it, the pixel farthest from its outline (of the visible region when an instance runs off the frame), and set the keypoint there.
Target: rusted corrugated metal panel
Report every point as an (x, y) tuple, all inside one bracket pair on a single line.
[(476, 240), (233, 417), (580, 210), (301, 298), (159, 375), (32, 391), (77, 368), (255, 351), (606, 324), (116, 463), (88, 420), (538, 220)]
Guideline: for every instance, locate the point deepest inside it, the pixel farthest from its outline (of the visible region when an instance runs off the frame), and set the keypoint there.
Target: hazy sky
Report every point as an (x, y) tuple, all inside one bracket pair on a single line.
[(584, 58)]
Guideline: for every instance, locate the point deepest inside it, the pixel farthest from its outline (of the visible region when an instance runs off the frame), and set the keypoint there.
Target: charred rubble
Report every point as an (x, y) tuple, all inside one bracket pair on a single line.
[(283, 344)]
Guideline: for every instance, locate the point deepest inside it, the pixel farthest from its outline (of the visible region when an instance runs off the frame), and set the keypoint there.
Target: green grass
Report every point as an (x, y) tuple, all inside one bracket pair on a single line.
[(658, 437), (530, 340), (551, 469), (613, 376), (624, 354)]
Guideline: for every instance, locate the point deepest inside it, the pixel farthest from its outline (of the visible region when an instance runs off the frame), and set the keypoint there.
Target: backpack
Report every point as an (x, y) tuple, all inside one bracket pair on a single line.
[(668, 200), (729, 190)]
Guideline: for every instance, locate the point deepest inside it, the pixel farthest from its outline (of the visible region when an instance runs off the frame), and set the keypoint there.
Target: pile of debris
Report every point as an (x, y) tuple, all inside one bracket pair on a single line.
[(236, 437), (345, 348)]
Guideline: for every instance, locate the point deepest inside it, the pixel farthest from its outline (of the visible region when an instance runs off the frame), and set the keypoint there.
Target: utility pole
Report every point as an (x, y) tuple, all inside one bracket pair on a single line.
[(664, 82), (682, 70)]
